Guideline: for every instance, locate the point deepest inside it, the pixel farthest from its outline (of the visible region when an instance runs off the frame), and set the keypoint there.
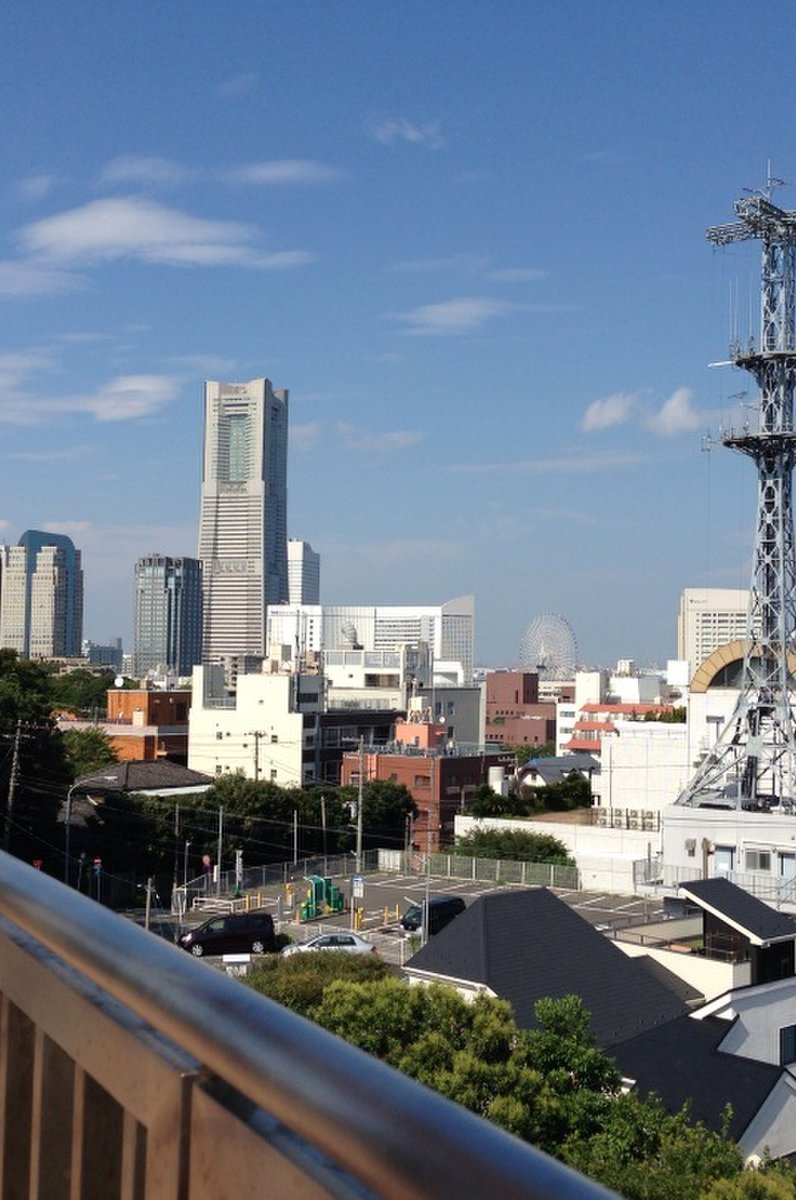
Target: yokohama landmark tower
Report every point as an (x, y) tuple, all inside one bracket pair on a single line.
[(243, 523)]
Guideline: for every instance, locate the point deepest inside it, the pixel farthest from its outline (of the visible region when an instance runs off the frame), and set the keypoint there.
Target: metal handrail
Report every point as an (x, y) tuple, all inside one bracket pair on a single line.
[(389, 1133)]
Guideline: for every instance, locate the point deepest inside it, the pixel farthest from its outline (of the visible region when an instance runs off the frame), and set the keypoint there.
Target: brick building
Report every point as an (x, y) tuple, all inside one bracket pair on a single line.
[(440, 777), (514, 714)]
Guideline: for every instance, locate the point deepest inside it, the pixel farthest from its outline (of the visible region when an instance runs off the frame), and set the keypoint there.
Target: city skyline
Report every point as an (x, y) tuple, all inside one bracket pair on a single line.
[(469, 238)]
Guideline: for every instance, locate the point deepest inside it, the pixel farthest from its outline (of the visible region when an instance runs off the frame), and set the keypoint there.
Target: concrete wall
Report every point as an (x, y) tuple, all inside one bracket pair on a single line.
[(604, 857)]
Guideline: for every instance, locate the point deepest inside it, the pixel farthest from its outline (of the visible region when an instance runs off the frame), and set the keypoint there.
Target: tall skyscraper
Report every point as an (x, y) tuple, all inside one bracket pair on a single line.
[(41, 596), (243, 523), (168, 614), (303, 573)]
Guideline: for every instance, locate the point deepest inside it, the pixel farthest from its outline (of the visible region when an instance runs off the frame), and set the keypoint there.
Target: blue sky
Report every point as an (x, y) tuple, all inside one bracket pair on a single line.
[(467, 236)]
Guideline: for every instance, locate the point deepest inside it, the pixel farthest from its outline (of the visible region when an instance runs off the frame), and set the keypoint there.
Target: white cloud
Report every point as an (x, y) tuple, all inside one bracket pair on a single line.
[(237, 85), (517, 274), (121, 399), (676, 415), (609, 411), (140, 168), (466, 261), (358, 439), (137, 228), (462, 315), (25, 278), (305, 436), (283, 171), (134, 228), (569, 464), (35, 187), (131, 396), (393, 129), (67, 527)]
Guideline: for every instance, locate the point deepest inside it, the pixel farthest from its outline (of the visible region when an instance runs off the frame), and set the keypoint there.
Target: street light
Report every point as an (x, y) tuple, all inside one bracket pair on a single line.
[(68, 832)]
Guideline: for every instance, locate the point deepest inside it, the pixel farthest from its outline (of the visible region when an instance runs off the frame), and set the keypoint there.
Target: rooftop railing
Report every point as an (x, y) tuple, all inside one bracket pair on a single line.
[(129, 1070)]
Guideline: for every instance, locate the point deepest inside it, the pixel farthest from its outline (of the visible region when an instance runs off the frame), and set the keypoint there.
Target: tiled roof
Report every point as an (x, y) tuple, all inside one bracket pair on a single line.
[(682, 1061), (141, 777), (525, 945), (759, 921)]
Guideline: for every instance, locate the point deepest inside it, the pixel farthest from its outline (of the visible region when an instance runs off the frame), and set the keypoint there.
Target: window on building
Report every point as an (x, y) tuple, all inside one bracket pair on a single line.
[(274, 738), (758, 860), (787, 1045), (273, 774), (422, 781), (724, 859)]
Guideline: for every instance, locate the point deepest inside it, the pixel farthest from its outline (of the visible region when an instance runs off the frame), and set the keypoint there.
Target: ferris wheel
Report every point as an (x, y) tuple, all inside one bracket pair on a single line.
[(548, 646)]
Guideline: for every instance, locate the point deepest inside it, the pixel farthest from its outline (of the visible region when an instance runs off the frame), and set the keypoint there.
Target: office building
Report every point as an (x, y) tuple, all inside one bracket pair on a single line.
[(446, 629), (243, 522), (709, 618), (303, 573), (41, 596), (167, 615)]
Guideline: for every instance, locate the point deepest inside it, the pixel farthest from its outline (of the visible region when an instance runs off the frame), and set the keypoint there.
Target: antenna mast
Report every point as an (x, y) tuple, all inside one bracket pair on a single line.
[(753, 763)]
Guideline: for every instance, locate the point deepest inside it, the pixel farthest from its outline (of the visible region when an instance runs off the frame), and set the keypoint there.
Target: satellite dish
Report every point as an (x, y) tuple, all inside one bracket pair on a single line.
[(119, 681)]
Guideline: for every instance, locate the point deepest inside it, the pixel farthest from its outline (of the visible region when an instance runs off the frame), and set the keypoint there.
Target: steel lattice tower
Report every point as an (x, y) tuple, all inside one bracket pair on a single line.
[(753, 763)]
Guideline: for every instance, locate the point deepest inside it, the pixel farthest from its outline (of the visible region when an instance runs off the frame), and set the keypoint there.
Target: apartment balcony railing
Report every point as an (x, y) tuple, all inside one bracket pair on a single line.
[(129, 1070)]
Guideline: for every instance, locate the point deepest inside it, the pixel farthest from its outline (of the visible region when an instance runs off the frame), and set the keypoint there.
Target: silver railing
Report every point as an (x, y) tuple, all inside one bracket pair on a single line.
[(129, 1070)]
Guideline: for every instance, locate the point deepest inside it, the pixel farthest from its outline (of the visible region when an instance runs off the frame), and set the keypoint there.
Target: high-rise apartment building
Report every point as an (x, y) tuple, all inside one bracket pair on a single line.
[(41, 596), (303, 573), (243, 523), (167, 614), (709, 618)]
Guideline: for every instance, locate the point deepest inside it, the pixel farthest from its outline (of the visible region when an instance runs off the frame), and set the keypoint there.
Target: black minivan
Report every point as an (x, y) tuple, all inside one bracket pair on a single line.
[(441, 911), (238, 933)]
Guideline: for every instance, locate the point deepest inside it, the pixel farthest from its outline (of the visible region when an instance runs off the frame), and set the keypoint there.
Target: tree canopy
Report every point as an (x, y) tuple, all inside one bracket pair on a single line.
[(514, 845), (551, 1086)]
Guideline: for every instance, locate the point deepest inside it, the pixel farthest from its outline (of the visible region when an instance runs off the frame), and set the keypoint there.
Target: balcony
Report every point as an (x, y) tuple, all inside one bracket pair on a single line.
[(129, 1070)]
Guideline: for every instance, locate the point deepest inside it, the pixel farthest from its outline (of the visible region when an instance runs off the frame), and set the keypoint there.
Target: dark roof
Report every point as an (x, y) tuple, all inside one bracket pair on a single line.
[(554, 768), (682, 1059), (528, 944), (156, 774), (739, 908)]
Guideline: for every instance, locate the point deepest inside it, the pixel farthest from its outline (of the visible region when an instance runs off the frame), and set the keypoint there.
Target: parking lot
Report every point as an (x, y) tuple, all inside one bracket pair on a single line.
[(385, 897)]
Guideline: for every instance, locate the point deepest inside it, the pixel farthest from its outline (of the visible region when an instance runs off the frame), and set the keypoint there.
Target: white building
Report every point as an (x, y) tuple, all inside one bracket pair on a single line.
[(243, 523), (709, 618), (447, 629), (303, 573), (266, 730)]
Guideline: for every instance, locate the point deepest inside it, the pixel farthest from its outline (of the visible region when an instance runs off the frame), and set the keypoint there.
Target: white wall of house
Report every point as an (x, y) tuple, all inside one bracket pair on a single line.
[(254, 732), (755, 1016), (643, 766), (773, 1129), (708, 976), (755, 850)]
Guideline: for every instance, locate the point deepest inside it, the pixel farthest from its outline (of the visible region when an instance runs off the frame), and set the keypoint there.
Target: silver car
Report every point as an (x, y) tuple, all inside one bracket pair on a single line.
[(351, 943)]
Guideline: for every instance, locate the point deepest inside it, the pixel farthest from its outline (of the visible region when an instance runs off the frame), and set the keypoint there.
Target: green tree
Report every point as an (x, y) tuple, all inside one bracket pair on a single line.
[(513, 845), (36, 789), (88, 750), (82, 692), (299, 982)]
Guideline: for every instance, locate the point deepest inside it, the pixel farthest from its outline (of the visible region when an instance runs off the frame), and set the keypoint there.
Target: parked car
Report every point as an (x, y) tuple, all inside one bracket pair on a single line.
[(238, 933), (441, 911), (350, 943)]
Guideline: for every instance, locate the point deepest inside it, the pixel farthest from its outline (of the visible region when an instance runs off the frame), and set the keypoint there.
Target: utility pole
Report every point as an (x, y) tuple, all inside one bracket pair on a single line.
[(12, 785), (256, 734), (360, 795), (295, 836), (218, 853), (150, 887)]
